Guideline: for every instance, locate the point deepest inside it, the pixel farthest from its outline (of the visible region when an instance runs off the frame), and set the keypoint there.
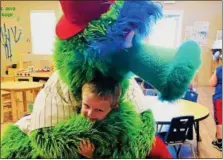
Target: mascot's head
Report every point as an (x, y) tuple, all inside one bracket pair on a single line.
[(84, 25), (105, 36)]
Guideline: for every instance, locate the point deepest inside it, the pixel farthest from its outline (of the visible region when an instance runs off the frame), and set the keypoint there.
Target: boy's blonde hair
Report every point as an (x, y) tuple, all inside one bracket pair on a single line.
[(104, 87)]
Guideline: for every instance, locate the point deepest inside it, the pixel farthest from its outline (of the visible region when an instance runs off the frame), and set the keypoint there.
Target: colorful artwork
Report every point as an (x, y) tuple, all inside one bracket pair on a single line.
[(9, 35)]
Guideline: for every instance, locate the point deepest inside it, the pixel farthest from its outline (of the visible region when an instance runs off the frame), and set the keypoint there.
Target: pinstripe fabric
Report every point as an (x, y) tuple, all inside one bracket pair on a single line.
[(136, 95), (55, 103)]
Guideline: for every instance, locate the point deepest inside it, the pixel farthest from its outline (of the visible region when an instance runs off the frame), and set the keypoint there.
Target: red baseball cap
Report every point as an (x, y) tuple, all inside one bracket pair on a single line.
[(77, 15)]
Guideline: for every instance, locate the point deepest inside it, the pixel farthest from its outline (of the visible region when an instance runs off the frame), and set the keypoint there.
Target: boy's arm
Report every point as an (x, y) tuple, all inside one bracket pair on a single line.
[(213, 80)]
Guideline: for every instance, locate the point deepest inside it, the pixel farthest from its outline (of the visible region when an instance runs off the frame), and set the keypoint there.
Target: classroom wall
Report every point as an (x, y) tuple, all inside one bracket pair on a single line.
[(19, 22), (193, 11)]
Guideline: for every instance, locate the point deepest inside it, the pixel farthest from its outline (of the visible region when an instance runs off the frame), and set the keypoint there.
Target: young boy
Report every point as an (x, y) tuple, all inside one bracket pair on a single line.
[(98, 100), (216, 81)]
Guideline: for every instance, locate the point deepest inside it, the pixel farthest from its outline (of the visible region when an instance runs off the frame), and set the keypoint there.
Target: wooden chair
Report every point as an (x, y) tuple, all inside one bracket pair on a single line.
[(6, 105)]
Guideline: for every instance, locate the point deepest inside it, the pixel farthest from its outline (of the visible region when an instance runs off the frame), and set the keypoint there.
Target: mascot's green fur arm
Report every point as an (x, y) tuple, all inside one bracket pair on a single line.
[(123, 134), (16, 144), (169, 71)]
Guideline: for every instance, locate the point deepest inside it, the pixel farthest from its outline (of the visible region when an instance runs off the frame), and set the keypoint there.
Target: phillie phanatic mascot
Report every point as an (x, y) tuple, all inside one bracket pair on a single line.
[(102, 38)]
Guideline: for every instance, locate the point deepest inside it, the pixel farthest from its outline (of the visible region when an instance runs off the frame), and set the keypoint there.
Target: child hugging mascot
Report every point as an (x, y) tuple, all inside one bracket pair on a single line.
[(99, 47)]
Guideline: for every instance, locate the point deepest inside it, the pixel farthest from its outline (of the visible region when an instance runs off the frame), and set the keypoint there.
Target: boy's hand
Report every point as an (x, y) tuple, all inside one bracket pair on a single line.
[(86, 148)]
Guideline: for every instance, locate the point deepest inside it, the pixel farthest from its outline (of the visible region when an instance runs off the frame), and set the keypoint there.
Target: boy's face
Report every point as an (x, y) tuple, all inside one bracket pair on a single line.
[(94, 107)]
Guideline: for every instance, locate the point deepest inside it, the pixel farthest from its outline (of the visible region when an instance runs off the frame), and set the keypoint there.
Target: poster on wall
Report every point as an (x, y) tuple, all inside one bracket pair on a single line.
[(10, 34), (198, 32)]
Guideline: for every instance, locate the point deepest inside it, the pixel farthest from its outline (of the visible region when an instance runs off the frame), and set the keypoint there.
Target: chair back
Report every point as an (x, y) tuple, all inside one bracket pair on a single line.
[(138, 80), (181, 128), (147, 85), (191, 96), (150, 92)]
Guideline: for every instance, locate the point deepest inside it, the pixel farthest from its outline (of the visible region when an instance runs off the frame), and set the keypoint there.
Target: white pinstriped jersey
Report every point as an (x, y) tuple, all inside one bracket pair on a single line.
[(55, 103)]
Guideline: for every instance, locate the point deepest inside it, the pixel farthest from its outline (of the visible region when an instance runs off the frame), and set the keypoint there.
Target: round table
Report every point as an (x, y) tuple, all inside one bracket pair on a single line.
[(15, 87), (164, 111)]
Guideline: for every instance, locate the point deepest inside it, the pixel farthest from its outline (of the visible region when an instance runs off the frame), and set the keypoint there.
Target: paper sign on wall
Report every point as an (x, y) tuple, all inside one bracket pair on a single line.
[(201, 26), (198, 32)]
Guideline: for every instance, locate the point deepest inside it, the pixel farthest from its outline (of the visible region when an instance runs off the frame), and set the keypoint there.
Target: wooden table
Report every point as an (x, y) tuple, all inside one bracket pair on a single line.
[(164, 111), (15, 87)]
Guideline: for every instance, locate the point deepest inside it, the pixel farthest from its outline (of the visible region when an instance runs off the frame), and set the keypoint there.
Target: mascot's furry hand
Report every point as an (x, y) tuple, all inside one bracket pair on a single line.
[(169, 71)]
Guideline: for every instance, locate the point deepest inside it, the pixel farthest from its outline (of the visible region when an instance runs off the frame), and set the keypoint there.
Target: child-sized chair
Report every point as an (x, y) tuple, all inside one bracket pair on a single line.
[(191, 96), (181, 130)]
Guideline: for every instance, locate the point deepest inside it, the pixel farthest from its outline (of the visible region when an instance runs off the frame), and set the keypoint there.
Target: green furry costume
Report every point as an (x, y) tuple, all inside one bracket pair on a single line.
[(124, 133)]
